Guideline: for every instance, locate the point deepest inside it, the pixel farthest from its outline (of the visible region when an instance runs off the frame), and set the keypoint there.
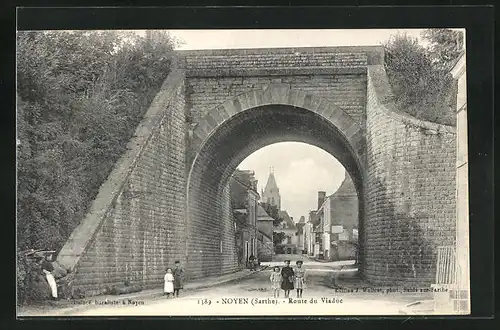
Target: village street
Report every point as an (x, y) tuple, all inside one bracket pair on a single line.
[(253, 296)]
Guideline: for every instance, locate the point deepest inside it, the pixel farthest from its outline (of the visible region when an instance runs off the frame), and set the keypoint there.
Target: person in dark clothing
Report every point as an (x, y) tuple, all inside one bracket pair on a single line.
[(251, 263), (287, 274), (178, 278)]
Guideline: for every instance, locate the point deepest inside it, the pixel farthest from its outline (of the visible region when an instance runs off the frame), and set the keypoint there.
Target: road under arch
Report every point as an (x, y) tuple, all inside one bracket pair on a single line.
[(209, 214)]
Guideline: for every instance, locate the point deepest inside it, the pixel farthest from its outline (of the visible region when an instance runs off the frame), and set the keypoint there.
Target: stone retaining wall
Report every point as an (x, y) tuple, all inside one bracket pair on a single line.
[(136, 225), (410, 190)]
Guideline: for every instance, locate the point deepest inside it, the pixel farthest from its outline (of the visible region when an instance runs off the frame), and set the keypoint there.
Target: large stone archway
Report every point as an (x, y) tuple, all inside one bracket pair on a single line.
[(166, 198), (234, 130)]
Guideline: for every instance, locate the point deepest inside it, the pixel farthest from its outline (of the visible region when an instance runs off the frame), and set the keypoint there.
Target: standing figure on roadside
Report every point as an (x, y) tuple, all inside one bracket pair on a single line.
[(47, 269), (276, 280), (168, 288), (251, 263), (287, 274), (178, 278), (300, 278), (256, 263)]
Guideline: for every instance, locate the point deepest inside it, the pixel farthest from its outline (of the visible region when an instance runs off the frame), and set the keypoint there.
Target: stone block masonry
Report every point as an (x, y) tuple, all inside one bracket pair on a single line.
[(136, 226), (410, 191), (348, 92), (167, 197), (212, 241), (338, 75)]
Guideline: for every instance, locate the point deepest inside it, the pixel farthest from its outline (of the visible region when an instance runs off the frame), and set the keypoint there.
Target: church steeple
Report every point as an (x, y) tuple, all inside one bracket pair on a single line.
[(271, 193)]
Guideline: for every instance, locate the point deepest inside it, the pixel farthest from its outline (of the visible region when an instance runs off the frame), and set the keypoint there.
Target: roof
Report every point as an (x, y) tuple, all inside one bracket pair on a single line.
[(346, 188), (300, 227), (246, 179), (262, 214), (271, 183), (287, 221)]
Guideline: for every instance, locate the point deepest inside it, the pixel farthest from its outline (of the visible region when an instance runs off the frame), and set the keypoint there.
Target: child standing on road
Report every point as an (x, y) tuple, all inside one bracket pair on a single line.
[(276, 280), (300, 278), (169, 283)]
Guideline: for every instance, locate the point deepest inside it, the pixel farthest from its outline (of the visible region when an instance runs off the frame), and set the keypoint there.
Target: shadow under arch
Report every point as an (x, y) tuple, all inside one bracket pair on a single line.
[(222, 144)]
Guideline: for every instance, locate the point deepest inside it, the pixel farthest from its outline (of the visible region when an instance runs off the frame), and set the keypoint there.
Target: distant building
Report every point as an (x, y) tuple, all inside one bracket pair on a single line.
[(309, 235), (271, 193), (244, 201), (265, 235), (287, 226), (300, 232), (333, 229)]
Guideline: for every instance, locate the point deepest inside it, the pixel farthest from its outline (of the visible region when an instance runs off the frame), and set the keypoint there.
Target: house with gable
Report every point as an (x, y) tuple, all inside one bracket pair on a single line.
[(265, 245), (244, 202)]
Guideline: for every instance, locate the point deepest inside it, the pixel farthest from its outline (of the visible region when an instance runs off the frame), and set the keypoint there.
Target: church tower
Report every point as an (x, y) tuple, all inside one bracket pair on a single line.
[(271, 193)]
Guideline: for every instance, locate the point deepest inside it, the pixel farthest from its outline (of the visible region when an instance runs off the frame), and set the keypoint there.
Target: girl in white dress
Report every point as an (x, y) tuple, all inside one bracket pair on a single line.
[(276, 280), (168, 288)]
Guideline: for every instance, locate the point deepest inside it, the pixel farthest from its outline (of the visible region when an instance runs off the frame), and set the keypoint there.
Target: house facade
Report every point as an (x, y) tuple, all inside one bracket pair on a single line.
[(290, 241), (265, 235), (309, 236), (300, 235), (461, 298), (332, 232), (244, 201)]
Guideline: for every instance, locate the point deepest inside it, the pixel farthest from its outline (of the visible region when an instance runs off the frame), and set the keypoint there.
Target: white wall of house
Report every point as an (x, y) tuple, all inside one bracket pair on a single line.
[(308, 238), (462, 181)]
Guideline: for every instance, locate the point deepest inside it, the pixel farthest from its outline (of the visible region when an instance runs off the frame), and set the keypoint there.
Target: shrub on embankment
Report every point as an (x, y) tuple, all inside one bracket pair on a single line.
[(420, 76), (80, 97)]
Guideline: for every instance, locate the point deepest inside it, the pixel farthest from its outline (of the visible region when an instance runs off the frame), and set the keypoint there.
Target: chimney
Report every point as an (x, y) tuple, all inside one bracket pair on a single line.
[(321, 198)]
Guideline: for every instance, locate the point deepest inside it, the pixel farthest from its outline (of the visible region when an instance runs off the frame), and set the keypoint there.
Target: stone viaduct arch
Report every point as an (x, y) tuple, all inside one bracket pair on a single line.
[(230, 132), (166, 199)]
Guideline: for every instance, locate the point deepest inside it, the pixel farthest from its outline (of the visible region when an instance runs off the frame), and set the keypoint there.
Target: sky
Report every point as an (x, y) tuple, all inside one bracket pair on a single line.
[(301, 170), (223, 39)]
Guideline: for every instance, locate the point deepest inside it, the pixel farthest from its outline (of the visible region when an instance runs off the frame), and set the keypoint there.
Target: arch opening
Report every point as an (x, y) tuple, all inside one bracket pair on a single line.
[(210, 245), (310, 190)]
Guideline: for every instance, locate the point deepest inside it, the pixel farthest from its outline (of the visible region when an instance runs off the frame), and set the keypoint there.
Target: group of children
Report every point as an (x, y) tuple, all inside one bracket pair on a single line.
[(287, 279)]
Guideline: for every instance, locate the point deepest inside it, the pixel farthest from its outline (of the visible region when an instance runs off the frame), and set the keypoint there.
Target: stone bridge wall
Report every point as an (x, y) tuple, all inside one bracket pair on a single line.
[(338, 75), (136, 225), (410, 179)]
